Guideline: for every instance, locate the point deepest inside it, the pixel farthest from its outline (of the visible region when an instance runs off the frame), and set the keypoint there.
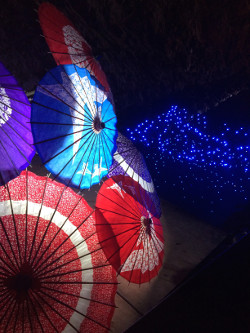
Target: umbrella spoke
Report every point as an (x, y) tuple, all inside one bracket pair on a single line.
[(60, 152), (64, 241), (43, 310), (79, 296), (69, 307)]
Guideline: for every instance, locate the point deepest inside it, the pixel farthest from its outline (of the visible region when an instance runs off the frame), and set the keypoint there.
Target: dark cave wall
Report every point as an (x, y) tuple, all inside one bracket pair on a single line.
[(190, 52)]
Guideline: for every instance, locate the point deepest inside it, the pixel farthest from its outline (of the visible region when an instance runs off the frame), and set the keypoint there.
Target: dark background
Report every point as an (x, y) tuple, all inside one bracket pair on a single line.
[(191, 52)]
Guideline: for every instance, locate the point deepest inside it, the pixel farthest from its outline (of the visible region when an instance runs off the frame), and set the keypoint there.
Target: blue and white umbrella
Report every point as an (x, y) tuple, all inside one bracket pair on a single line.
[(74, 126)]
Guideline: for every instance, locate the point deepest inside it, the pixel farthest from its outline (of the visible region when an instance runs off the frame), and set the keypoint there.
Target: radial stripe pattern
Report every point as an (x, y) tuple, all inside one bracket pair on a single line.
[(53, 274)]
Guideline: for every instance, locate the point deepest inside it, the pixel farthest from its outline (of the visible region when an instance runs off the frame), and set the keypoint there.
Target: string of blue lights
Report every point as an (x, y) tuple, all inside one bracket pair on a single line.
[(203, 167)]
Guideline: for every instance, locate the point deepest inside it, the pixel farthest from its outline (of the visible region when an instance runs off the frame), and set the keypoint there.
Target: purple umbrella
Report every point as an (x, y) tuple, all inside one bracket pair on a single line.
[(16, 142), (128, 161)]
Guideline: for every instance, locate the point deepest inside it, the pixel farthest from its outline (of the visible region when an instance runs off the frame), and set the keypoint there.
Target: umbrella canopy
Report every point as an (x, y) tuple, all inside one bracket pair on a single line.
[(74, 126), (53, 275), (16, 149), (66, 43), (130, 235), (128, 161)]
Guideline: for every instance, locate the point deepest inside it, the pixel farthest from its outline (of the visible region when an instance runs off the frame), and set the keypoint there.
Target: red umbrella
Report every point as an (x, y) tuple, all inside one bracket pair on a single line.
[(53, 275), (66, 43), (129, 233)]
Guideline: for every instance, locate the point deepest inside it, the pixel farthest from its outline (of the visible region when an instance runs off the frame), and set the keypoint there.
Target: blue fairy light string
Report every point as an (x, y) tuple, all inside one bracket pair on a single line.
[(196, 163)]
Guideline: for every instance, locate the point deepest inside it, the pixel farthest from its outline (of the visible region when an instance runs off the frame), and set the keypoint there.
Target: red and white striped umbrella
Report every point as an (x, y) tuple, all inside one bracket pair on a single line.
[(130, 234), (53, 275)]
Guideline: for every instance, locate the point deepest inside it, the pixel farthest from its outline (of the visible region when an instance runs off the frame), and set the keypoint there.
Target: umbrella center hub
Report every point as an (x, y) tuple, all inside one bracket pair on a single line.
[(146, 223), (22, 281), (98, 124)]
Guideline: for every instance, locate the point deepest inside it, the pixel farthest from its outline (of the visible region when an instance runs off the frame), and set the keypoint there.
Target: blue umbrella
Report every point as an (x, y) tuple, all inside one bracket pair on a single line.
[(74, 126)]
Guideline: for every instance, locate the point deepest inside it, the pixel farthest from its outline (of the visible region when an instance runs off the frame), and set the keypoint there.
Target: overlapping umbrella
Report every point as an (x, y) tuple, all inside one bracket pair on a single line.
[(16, 142), (53, 275), (128, 161), (130, 235), (66, 43), (74, 126)]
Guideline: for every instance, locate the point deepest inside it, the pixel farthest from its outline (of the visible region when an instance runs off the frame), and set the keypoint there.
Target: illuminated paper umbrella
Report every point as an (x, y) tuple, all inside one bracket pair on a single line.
[(54, 277), (66, 43), (131, 237), (74, 126), (128, 161), (16, 149)]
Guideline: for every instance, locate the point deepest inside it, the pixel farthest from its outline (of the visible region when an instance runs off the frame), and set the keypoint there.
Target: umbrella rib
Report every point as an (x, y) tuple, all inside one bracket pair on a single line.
[(129, 303), (68, 237), (103, 116), (102, 210), (44, 272), (12, 98), (83, 113), (79, 296), (29, 315), (17, 146), (57, 41), (116, 235), (66, 148), (130, 209), (35, 311), (91, 103), (72, 272), (71, 308), (12, 117), (19, 135), (10, 315), (7, 237), (58, 137), (93, 138), (155, 241), (78, 93), (88, 139), (42, 268), (12, 109), (42, 309), (92, 169), (120, 269), (7, 255), (127, 240), (14, 166), (50, 221), (104, 152), (58, 231), (58, 111), (37, 221), (60, 100)]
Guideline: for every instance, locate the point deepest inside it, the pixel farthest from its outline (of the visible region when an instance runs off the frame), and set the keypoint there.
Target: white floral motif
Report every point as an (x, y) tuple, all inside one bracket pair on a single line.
[(146, 258), (5, 109), (77, 92), (74, 42)]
